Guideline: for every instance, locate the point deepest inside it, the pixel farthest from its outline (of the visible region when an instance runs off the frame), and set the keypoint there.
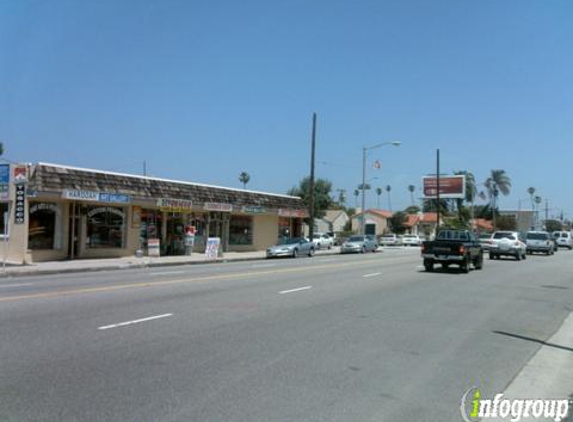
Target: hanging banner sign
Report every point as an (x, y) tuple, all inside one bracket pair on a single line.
[(4, 181), (215, 206), (114, 198), (20, 204), (175, 205), (253, 210), (81, 195), (212, 248), (293, 213)]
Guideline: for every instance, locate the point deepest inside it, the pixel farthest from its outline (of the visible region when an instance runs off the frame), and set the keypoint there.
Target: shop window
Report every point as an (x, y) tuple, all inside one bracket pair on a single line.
[(4, 218), (43, 232), (106, 228), (241, 231)]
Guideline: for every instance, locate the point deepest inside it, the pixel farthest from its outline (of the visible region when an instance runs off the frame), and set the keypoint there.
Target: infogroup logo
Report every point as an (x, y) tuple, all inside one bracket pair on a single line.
[(475, 408)]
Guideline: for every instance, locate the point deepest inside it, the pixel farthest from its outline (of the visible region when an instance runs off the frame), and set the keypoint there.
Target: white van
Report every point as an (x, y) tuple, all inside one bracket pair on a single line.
[(563, 239)]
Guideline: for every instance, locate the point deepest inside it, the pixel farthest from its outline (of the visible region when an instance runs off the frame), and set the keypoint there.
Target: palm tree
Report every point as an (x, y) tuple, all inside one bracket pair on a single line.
[(356, 195), (244, 178), (471, 191), (497, 182), (412, 188), (379, 193), (538, 201), (388, 189)]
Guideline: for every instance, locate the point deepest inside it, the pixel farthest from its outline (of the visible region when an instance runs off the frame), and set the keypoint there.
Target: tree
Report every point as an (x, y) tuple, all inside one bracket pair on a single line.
[(506, 222), (497, 182), (379, 193), (553, 225), (388, 189), (397, 222), (412, 188), (531, 192), (322, 199), (244, 178), (412, 209), (356, 195)]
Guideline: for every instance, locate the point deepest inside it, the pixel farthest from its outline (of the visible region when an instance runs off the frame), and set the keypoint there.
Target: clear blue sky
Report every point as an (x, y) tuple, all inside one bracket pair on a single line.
[(203, 90)]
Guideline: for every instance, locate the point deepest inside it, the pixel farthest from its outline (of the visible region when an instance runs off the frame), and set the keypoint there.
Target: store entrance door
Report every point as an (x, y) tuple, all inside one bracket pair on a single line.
[(219, 227)]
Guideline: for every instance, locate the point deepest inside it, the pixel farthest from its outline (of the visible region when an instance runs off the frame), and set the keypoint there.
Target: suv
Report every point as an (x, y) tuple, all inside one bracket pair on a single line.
[(538, 241), (563, 239), (507, 243), (390, 240)]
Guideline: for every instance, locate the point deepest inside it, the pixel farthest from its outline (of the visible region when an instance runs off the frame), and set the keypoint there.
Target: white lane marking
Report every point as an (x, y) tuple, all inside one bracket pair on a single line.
[(15, 285), (167, 272), (420, 266), (371, 275), (295, 290), (136, 321), (326, 260)]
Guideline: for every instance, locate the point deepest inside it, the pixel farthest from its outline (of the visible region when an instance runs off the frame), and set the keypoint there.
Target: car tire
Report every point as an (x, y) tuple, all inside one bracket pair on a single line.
[(478, 264), (524, 256), (518, 256), (428, 265), (295, 253), (363, 249), (311, 252), (465, 266)]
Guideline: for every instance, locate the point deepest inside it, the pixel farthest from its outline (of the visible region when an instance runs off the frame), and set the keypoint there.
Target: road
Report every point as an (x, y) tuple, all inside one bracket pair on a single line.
[(339, 338)]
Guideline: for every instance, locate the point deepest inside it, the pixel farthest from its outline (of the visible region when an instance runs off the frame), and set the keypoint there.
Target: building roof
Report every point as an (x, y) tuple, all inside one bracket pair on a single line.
[(379, 213), (412, 220), (55, 178), (481, 224), (429, 217)]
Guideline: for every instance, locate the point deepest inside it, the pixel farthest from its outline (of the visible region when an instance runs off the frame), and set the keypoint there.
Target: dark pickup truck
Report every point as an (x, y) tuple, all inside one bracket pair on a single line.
[(459, 247)]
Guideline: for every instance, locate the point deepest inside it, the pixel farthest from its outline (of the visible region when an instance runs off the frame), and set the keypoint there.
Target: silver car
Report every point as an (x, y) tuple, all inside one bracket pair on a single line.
[(294, 247), (359, 244)]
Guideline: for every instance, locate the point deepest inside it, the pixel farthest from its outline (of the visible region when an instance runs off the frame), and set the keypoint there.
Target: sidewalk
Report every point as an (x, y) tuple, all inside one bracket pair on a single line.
[(85, 265)]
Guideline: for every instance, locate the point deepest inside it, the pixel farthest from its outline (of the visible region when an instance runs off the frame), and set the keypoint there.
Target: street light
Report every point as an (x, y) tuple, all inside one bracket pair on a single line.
[(364, 149)]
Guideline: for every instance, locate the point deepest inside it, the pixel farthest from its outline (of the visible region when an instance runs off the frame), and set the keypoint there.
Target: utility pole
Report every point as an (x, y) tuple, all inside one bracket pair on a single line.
[(546, 212), (438, 191), (311, 187)]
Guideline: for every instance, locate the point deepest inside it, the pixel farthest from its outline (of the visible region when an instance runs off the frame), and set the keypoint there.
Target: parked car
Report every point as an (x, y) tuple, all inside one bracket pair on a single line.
[(390, 240), (411, 240), (322, 241), (458, 247), (485, 240), (539, 241), (294, 246), (359, 244), (563, 239), (507, 243)]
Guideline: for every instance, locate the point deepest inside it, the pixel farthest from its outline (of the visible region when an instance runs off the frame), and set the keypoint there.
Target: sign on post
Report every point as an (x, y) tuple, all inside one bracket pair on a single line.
[(451, 187), (153, 247)]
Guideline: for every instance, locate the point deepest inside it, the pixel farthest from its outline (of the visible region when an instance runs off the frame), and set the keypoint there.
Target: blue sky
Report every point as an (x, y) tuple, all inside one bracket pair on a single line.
[(205, 90)]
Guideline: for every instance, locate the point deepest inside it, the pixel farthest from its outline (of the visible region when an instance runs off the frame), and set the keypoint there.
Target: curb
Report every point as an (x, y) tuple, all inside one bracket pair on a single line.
[(130, 266)]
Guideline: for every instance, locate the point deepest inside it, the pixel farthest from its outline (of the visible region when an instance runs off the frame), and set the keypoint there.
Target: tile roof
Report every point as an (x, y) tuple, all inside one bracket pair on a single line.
[(53, 178), (379, 213)]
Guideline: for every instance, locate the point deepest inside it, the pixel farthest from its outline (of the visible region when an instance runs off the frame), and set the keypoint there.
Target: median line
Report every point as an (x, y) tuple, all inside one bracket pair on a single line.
[(371, 275), (295, 290), (135, 321)]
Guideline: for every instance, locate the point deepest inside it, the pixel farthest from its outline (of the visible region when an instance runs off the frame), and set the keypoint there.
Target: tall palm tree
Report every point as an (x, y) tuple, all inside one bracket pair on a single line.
[(471, 191), (388, 189), (356, 195), (379, 193), (412, 188), (498, 182), (244, 178)]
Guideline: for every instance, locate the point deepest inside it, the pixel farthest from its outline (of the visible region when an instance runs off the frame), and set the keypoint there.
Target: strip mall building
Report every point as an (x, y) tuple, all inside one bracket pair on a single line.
[(53, 212)]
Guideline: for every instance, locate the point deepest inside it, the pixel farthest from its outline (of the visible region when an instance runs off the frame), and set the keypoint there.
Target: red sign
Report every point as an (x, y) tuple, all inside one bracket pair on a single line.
[(190, 230), (450, 187), (19, 174)]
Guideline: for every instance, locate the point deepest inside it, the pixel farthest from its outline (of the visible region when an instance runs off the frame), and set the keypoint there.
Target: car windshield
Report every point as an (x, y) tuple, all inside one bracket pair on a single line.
[(537, 236), (356, 239)]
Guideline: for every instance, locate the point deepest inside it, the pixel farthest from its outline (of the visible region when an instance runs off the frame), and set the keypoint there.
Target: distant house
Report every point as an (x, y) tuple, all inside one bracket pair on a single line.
[(376, 222), (334, 221), (481, 225), (525, 219)]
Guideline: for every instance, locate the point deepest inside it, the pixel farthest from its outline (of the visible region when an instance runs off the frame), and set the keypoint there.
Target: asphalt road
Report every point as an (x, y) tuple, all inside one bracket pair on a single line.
[(338, 338)]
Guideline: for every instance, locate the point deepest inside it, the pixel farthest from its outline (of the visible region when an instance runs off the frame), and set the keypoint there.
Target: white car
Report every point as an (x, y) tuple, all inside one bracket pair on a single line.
[(390, 240), (411, 240), (563, 239), (507, 243), (322, 241)]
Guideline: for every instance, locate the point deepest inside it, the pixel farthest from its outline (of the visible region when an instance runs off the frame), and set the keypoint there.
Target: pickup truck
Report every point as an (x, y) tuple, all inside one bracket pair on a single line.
[(459, 247)]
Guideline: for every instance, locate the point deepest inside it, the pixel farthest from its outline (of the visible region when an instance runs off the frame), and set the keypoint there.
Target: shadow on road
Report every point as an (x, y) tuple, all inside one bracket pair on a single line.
[(534, 340)]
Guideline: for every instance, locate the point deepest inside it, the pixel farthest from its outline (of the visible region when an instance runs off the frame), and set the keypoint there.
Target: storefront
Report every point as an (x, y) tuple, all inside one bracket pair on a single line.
[(71, 213)]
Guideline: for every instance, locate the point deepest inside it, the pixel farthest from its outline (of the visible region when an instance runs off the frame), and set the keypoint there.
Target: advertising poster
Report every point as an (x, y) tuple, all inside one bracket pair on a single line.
[(212, 248)]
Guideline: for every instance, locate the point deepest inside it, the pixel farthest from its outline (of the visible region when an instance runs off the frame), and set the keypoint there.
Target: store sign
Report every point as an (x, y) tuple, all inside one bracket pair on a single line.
[(153, 247), (100, 210), (43, 206), (175, 205), (293, 213), (451, 187), (4, 181), (20, 174), (20, 204), (81, 195), (215, 206), (86, 195), (253, 210)]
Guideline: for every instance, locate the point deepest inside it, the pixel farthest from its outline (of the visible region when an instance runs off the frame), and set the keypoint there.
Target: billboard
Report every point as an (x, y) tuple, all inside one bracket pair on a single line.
[(451, 187)]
